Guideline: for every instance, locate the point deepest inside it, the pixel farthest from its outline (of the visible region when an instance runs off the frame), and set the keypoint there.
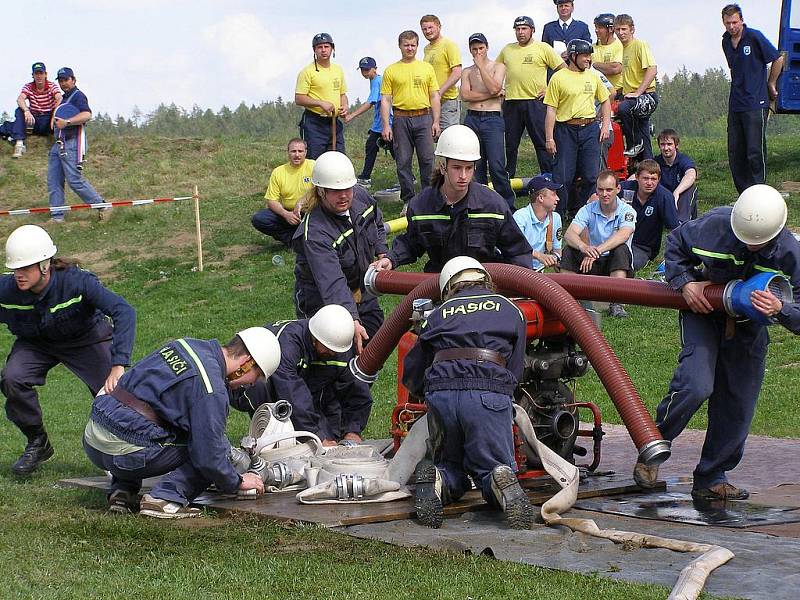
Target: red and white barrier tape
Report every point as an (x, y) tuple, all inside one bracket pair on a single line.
[(58, 210)]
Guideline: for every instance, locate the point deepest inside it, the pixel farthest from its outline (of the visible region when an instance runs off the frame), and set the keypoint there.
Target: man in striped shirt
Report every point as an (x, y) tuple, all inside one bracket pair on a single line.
[(35, 105)]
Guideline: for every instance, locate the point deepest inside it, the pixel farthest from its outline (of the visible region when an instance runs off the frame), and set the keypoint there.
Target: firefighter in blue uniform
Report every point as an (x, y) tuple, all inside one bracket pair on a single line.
[(723, 360), (467, 361), (58, 313), (168, 416), (565, 28), (456, 216), (341, 234), (314, 378)]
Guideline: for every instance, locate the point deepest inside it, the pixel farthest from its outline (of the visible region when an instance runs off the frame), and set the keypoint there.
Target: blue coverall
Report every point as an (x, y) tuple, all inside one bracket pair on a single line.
[(184, 383), (480, 225), (469, 402), (333, 255), (65, 323), (726, 370), (326, 399)]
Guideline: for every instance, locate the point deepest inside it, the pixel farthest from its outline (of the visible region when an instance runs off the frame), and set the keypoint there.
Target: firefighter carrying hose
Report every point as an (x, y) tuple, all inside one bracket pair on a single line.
[(467, 361)]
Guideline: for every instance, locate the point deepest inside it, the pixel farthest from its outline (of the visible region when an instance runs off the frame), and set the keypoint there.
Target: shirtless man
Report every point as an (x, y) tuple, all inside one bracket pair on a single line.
[(482, 90)]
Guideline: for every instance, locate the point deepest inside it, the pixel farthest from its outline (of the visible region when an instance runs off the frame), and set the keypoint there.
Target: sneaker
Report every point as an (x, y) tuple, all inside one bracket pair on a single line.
[(645, 476), (635, 150), (395, 187), (430, 495), (123, 502), (19, 149), (164, 509), (617, 311), (512, 499), (36, 452), (365, 183), (720, 491)]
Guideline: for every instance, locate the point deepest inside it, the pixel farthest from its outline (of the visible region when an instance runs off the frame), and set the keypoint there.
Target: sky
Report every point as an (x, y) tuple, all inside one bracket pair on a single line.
[(212, 53)]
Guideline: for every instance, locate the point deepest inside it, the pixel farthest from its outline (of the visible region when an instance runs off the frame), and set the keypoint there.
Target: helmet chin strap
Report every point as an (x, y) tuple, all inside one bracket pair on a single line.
[(245, 368)]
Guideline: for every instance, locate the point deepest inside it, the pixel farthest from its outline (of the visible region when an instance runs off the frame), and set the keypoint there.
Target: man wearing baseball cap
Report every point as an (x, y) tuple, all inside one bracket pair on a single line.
[(35, 105), (540, 223), (369, 71)]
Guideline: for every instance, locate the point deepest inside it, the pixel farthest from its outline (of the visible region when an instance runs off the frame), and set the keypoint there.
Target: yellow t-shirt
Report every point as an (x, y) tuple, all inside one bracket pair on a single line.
[(526, 68), (409, 84), (322, 83), (636, 57), (287, 183), (443, 55), (610, 53), (573, 94)]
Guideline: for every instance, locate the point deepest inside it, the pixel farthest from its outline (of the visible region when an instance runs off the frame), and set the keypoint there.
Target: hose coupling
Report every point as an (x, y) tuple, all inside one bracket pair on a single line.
[(361, 375), (369, 281), (655, 452), (282, 410), (349, 487)]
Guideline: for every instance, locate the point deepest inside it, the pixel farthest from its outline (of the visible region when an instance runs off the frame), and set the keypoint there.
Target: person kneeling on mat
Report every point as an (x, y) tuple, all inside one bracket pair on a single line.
[(167, 416), (467, 361)]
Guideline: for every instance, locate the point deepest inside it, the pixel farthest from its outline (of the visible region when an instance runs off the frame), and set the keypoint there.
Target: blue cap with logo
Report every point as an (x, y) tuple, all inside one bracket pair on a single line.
[(38, 67), (65, 73), (367, 63), (540, 182)]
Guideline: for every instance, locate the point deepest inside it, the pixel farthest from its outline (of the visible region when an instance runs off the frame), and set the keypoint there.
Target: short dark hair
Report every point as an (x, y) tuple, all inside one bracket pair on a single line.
[(669, 134), (296, 140), (236, 347), (648, 165), (731, 9), (608, 174), (407, 35)]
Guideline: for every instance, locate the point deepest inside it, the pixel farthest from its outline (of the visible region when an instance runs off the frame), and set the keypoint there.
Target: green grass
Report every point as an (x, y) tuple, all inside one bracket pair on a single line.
[(58, 542)]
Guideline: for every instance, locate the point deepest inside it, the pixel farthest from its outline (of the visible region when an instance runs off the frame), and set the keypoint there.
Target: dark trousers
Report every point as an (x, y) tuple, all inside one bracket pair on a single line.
[(519, 116), (473, 434), (635, 129), (16, 128), (728, 372), (641, 256), (27, 366), (578, 151), (413, 134), (747, 147), (371, 149), (275, 226), (490, 127), (687, 205), (316, 131)]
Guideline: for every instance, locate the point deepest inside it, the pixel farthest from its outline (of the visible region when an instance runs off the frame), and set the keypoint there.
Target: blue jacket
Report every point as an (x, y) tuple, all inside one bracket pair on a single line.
[(553, 32), (652, 217), (69, 311), (706, 250), (334, 253), (480, 225), (184, 382), (303, 379), (472, 318)]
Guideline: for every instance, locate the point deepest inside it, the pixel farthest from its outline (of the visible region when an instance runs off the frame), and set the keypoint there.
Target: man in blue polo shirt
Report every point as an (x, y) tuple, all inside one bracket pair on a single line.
[(541, 224), (369, 71), (748, 53), (678, 174), (655, 211), (598, 241)]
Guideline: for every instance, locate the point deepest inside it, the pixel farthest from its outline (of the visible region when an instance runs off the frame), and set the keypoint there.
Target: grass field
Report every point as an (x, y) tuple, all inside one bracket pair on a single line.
[(59, 543)]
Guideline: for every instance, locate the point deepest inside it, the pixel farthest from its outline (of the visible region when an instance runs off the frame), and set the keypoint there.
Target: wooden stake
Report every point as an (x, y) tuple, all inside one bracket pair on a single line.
[(196, 198)]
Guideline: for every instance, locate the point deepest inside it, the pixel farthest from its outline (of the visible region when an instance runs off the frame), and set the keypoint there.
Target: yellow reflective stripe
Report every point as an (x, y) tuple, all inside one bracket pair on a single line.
[(768, 270), (329, 363), (486, 216), (710, 254), (16, 307), (342, 237), (198, 364), (430, 218), (302, 364), (367, 212), (69, 302)]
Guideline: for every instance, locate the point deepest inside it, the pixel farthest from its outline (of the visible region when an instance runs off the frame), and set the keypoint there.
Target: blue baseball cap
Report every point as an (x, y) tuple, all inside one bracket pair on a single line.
[(477, 38), (38, 67), (65, 73), (540, 182), (367, 63)]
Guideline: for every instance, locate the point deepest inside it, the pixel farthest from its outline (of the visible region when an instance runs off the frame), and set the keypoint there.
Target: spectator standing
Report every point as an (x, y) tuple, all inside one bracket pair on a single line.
[(445, 58), (565, 28)]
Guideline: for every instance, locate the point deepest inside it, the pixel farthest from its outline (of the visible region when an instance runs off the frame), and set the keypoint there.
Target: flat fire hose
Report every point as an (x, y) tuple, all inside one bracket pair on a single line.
[(693, 576)]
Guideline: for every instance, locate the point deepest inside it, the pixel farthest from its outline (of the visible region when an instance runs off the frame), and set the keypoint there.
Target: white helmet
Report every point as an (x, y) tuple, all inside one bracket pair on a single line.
[(461, 268), (263, 346), (459, 142), (758, 215), (28, 245), (333, 327), (333, 170)]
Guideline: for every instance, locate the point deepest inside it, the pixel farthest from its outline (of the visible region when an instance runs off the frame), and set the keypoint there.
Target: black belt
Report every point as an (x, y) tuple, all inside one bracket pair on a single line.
[(480, 113), (143, 408), (479, 354)]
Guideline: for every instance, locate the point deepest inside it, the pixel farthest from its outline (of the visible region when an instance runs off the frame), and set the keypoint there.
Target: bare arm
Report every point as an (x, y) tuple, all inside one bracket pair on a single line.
[(685, 183), (386, 108), (549, 127), (572, 237), (436, 110), (308, 102), (23, 104), (774, 73), (470, 95), (344, 105), (492, 81), (608, 69), (619, 237), (455, 75), (649, 75), (359, 111)]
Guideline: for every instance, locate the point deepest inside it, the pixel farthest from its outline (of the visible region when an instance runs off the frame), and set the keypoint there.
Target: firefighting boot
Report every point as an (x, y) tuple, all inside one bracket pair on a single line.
[(431, 494), (512, 499), (36, 452)]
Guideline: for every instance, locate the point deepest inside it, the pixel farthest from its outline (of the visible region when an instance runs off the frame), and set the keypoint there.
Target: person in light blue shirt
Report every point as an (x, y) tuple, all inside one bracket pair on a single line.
[(540, 224), (369, 70), (598, 241)]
